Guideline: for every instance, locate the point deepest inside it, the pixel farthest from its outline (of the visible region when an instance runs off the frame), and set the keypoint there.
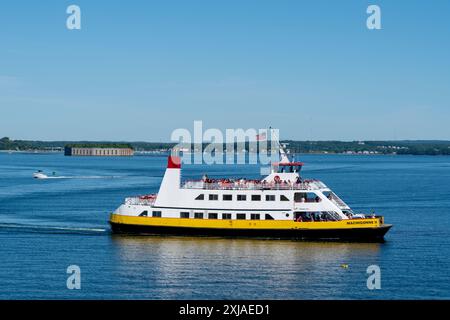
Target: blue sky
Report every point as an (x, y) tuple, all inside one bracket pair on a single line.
[(137, 70)]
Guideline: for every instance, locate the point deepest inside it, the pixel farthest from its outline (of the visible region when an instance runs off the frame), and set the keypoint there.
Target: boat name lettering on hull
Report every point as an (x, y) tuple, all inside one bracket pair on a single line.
[(360, 222)]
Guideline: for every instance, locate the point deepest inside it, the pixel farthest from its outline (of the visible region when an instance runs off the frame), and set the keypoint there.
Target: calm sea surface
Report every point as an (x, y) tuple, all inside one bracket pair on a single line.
[(47, 225)]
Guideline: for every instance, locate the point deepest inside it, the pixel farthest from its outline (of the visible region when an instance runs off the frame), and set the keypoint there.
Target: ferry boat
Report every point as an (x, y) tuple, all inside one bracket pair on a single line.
[(280, 205)]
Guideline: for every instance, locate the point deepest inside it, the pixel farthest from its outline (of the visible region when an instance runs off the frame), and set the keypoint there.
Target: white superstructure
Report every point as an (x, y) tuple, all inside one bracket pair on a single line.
[(282, 195)]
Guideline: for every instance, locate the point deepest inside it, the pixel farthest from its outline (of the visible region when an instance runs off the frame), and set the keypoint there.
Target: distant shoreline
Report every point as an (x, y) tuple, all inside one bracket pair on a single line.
[(412, 147), (150, 153)]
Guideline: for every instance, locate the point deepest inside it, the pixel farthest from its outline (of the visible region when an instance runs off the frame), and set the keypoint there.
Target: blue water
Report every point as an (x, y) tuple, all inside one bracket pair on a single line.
[(47, 225)]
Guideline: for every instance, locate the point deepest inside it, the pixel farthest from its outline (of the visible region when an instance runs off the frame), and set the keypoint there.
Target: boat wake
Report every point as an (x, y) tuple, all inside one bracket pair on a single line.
[(332, 169), (78, 177), (52, 229)]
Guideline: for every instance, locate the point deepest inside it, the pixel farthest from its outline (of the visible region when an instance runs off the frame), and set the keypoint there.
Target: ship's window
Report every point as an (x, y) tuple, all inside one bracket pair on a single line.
[(255, 216), (347, 212), (283, 198), (227, 197), (241, 197), (331, 196), (268, 217), (317, 216), (306, 197), (143, 213), (212, 215), (213, 197), (320, 216), (330, 216), (270, 197), (256, 197), (156, 214), (240, 216), (299, 197), (226, 216), (184, 214), (198, 215), (200, 197)]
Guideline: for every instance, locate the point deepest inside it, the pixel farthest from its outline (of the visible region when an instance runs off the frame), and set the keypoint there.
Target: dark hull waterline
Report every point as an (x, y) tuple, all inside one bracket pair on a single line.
[(354, 234)]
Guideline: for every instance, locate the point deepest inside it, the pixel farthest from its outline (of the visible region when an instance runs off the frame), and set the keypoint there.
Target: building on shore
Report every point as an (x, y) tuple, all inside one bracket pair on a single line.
[(98, 151)]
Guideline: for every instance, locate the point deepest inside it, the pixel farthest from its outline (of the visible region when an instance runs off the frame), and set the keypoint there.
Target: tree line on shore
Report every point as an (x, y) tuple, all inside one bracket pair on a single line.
[(413, 147)]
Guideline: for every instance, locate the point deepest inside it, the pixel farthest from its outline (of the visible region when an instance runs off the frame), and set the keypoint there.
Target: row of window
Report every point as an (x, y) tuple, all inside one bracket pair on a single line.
[(224, 216), (241, 197), (100, 152), (316, 216)]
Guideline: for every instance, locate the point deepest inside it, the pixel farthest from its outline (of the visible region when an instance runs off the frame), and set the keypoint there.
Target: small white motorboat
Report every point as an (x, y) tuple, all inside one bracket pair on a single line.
[(40, 175)]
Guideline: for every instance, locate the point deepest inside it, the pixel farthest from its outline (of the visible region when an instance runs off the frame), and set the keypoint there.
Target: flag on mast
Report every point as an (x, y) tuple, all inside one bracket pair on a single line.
[(261, 137)]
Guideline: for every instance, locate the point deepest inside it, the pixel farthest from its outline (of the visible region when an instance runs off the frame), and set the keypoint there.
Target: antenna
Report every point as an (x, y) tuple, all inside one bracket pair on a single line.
[(283, 155)]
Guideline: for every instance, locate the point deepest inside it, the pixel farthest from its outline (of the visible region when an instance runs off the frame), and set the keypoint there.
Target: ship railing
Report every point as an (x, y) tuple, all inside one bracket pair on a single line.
[(141, 200), (333, 216), (249, 185), (338, 201)]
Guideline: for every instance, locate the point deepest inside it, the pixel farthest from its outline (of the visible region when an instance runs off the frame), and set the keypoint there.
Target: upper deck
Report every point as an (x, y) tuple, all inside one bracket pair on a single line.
[(243, 184)]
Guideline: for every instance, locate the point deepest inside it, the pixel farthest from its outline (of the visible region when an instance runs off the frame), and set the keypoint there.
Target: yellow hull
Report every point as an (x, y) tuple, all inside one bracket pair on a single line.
[(244, 224), (344, 229)]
